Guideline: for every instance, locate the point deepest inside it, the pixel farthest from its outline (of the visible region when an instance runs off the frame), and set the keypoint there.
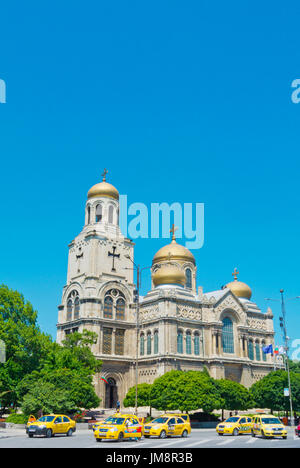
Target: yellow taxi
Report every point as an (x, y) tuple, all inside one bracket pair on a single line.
[(167, 426), (235, 426), (51, 425), (266, 425), (119, 427)]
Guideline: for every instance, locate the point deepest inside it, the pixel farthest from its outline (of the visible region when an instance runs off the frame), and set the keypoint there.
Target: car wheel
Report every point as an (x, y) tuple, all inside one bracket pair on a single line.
[(236, 432), (220, 434), (263, 435), (146, 437), (30, 436), (284, 437), (98, 440), (69, 433), (121, 437), (163, 434), (252, 433), (185, 433), (49, 434)]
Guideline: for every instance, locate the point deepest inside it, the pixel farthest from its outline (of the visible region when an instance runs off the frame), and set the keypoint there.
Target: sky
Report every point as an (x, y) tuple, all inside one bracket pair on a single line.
[(181, 102)]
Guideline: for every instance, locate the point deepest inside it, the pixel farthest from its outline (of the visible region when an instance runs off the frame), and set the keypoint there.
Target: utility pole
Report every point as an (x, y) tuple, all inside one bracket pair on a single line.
[(286, 348)]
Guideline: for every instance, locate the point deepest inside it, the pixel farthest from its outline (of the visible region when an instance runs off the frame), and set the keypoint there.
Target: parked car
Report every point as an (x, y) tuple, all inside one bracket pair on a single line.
[(167, 426), (50, 425), (235, 425), (267, 426), (119, 427)]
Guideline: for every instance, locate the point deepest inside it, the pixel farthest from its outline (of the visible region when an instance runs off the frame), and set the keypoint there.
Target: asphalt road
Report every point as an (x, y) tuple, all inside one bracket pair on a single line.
[(199, 438)]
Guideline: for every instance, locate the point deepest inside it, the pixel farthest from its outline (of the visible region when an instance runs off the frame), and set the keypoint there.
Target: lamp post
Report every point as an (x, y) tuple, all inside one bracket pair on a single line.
[(286, 346), (137, 301)]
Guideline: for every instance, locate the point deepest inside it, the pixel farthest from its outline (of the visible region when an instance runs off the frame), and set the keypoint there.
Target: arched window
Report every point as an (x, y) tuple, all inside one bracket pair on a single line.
[(180, 342), (89, 214), (108, 307), (251, 350), (69, 310), (111, 214), (73, 304), (120, 309), (188, 343), (188, 275), (227, 336), (257, 351), (149, 343), (142, 344), (98, 213), (264, 356), (196, 344), (76, 308), (156, 342)]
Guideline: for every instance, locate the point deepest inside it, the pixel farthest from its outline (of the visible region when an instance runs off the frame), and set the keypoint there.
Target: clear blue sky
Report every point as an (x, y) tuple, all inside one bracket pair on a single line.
[(181, 101)]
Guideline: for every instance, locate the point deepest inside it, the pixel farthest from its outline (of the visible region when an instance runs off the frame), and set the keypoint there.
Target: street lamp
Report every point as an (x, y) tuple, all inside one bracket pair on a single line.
[(137, 301), (286, 347)]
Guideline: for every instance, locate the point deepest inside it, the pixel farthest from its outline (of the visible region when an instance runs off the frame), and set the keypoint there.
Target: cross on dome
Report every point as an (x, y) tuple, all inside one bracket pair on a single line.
[(104, 175), (235, 273)]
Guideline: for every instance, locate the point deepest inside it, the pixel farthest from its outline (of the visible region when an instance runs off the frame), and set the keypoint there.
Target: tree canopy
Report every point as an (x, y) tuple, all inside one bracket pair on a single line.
[(40, 374), (269, 391), (185, 391)]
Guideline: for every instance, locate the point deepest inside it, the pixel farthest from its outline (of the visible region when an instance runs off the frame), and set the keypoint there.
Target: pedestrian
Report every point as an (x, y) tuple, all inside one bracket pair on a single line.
[(118, 406)]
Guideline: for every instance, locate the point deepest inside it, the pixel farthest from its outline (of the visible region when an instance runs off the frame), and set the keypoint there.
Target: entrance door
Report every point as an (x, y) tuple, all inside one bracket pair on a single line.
[(111, 393)]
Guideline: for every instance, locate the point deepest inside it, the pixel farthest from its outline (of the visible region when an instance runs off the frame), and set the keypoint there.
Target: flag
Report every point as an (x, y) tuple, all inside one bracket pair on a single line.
[(104, 379), (268, 349), (276, 350)]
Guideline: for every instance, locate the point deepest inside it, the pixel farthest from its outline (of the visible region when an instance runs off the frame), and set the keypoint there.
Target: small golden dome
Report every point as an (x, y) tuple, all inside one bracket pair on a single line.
[(103, 189), (169, 274), (238, 288), (173, 251)]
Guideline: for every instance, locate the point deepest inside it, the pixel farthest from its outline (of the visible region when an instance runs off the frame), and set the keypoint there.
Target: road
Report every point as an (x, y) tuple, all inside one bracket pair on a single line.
[(199, 438)]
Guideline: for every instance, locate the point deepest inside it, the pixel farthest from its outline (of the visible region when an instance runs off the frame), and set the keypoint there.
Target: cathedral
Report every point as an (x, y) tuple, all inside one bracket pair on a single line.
[(176, 325)]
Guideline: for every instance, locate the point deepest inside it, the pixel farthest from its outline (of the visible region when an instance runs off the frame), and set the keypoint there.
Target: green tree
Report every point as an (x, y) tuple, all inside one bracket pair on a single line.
[(269, 391), (144, 396), (234, 395), (70, 370), (26, 345), (186, 391)]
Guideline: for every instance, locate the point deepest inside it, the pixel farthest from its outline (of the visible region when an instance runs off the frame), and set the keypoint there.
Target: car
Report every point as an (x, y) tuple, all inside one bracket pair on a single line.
[(119, 427), (235, 426), (50, 425), (297, 431), (183, 416), (97, 424), (267, 426), (167, 426)]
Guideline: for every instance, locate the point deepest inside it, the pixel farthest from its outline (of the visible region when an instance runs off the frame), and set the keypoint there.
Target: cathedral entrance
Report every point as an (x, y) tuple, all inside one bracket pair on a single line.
[(111, 393)]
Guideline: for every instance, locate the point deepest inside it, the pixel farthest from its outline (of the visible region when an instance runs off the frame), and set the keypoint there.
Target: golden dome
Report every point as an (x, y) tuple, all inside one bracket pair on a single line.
[(238, 288), (169, 274), (173, 251), (103, 189)]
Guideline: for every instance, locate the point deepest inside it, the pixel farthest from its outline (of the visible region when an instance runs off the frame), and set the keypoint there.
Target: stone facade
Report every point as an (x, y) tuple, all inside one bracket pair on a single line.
[(180, 327)]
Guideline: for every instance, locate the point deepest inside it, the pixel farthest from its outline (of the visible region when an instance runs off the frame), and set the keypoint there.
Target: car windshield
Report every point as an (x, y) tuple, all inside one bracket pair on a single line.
[(46, 419), (270, 421), (114, 421), (232, 420), (160, 420)]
